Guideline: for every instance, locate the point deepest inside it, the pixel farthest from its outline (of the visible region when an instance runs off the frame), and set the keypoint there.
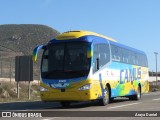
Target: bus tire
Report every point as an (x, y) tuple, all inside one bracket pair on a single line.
[(105, 100), (65, 104), (137, 96)]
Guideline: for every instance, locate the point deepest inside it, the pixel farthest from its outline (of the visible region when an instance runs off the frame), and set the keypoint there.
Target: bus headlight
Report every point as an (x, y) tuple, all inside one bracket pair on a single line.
[(85, 87), (42, 89)]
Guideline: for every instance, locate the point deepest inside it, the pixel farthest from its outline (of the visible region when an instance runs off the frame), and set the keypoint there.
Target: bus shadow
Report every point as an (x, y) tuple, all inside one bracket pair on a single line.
[(118, 100), (39, 105), (89, 104)]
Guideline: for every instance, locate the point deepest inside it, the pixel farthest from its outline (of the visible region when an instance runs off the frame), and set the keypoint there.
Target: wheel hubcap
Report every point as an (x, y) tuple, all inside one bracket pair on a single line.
[(139, 94), (106, 96)]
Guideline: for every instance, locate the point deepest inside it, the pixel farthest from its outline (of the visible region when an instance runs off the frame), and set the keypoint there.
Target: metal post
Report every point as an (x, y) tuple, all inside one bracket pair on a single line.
[(156, 65), (29, 90)]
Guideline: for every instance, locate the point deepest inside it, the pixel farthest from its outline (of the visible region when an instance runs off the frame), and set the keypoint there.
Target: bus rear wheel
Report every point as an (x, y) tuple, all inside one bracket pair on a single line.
[(137, 96), (105, 100)]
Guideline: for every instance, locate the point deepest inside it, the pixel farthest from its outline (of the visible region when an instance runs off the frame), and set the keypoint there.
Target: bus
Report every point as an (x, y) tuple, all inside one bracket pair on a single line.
[(84, 66)]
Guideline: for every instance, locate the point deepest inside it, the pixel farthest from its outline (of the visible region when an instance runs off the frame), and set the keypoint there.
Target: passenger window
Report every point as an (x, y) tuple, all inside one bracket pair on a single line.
[(116, 53), (102, 52), (124, 55)]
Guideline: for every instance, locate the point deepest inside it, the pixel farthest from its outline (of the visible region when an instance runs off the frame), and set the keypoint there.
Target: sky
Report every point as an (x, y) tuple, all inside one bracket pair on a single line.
[(135, 23)]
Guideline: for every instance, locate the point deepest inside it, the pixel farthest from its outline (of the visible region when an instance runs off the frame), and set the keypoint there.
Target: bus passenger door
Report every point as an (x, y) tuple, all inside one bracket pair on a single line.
[(101, 57)]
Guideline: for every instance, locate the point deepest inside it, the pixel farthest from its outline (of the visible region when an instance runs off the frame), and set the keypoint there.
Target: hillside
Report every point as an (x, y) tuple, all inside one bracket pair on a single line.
[(23, 38)]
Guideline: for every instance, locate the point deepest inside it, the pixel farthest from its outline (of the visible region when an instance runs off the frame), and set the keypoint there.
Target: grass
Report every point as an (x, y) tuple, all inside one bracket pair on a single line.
[(8, 92)]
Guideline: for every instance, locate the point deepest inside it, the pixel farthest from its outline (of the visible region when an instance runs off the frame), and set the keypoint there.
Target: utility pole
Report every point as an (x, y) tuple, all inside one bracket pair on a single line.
[(156, 65)]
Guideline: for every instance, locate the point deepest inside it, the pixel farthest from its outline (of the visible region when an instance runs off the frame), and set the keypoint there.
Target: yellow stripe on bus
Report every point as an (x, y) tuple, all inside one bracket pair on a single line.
[(78, 34)]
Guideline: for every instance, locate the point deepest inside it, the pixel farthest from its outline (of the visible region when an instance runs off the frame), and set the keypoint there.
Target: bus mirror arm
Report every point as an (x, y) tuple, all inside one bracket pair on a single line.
[(97, 63), (35, 52)]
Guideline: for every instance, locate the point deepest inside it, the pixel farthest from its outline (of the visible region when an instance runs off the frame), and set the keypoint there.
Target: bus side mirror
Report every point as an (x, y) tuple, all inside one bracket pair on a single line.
[(97, 63), (35, 52)]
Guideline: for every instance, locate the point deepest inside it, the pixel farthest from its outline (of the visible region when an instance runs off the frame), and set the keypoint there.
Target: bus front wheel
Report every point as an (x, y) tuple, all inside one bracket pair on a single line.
[(105, 100), (65, 104)]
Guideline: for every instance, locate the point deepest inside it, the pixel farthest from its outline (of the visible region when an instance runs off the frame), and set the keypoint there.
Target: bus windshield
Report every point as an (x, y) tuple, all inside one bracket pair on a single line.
[(65, 60)]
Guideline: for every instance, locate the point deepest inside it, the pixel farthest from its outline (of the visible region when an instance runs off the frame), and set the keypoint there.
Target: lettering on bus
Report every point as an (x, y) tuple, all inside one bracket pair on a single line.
[(128, 75)]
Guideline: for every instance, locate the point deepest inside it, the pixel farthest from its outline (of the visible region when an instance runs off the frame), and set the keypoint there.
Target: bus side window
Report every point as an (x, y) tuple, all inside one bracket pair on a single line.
[(116, 53), (104, 54), (101, 52), (95, 56)]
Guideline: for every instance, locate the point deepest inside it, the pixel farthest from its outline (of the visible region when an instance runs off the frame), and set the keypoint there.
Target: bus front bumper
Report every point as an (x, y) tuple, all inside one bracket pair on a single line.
[(67, 96)]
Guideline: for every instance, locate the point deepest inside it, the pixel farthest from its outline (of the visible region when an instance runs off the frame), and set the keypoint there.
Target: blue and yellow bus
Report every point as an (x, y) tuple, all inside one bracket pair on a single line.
[(83, 66)]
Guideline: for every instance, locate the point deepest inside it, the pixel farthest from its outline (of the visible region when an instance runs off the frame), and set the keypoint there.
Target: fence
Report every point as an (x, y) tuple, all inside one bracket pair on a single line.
[(13, 88), (7, 69)]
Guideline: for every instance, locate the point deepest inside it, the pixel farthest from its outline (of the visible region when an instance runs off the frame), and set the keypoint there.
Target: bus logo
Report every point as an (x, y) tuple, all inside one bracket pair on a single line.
[(127, 75), (62, 81)]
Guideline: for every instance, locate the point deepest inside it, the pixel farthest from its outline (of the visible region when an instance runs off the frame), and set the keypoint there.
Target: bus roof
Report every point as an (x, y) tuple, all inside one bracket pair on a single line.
[(72, 35), (80, 33)]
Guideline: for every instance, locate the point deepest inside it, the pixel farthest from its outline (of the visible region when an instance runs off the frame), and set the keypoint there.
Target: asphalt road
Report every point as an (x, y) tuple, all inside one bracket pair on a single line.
[(148, 105)]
